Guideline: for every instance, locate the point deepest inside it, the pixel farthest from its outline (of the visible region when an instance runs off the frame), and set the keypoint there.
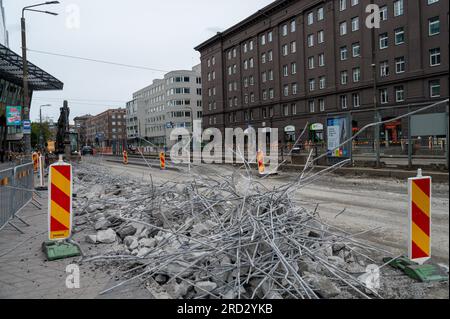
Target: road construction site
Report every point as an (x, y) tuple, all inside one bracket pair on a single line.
[(217, 231), (213, 231)]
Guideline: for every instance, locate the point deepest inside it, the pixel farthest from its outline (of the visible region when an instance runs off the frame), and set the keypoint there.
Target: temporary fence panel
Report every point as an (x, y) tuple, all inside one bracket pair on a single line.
[(16, 190), (6, 195), (24, 185)]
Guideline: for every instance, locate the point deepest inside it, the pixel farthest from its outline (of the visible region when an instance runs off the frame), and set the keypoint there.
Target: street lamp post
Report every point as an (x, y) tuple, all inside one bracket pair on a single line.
[(377, 117), (26, 97), (41, 135)]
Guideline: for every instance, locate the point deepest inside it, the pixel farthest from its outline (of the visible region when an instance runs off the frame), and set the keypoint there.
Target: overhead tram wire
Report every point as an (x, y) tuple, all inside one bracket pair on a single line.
[(79, 101), (98, 61)]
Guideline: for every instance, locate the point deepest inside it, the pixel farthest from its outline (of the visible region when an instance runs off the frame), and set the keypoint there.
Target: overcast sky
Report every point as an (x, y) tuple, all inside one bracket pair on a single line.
[(151, 33)]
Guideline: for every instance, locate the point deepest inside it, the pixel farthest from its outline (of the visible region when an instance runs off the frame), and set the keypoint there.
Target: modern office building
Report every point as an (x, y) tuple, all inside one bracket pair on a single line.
[(107, 131), (302, 61), (168, 103)]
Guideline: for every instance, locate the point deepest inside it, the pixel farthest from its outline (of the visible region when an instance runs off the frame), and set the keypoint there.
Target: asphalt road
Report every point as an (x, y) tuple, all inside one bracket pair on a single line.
[(380, 204)]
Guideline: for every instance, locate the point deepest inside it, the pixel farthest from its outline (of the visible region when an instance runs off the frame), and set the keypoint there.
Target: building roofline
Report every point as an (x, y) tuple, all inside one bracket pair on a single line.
[(264, 12), (11, 69)]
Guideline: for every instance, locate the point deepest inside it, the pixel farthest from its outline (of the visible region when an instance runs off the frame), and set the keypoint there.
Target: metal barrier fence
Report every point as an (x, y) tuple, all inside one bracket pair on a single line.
[(16, 191), (6, 195)]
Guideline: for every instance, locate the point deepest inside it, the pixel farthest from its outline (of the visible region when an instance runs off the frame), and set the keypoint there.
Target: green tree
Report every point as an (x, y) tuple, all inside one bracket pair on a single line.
[(36, 131)]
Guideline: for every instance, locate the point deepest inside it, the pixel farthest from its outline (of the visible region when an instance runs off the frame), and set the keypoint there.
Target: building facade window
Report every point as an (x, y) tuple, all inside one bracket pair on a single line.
[(355, 24), (343, 28), (356, 74), (399, 93), (321, 59), (435, 88), (311, 106), (344, 53), (434, 26), (356, 100), (312, 85), (343, 101), (384, 41), (398, 8), (311, 40), (356, 49), (384, 68), (322, 82), (321, 36), (399, 36), (311, 62), (322, 105), (400, 65), (320, 14), (344, 77), (435, 57), (384, 98)]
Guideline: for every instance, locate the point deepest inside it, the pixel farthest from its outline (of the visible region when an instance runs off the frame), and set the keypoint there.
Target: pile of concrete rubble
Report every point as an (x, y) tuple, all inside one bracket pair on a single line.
[(217, 237)]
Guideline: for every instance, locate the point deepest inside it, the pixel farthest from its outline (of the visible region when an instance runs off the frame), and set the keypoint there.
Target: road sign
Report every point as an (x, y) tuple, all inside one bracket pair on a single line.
[(419, 218), (26, 127), (60, 201), (162, 160), (260, 160)]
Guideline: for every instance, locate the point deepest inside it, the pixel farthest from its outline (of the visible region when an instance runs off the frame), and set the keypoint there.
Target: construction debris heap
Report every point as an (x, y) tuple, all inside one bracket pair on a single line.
[(218, 237)]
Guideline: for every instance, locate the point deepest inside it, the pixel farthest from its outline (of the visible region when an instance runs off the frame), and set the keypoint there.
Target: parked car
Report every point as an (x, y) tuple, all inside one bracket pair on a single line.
[(87, 150)]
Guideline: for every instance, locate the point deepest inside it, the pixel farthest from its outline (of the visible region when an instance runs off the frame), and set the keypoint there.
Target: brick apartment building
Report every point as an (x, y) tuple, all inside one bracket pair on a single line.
[(108, 131), (301, 61), (81, 128)]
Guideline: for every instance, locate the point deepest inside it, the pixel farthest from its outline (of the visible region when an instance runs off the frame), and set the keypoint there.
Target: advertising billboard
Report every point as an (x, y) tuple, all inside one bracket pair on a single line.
[(13, 115), (337, 133)]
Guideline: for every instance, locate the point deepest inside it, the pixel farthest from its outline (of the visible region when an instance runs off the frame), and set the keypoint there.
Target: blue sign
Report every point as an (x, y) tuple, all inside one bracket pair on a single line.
[(26, 127)]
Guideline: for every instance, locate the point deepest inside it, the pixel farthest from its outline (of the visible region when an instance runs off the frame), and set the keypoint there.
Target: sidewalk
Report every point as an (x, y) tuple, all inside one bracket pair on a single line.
[(24, 271)]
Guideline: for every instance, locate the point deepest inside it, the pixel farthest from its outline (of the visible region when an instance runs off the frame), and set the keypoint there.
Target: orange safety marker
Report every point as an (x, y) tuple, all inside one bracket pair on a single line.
[(162, 160), (125, 157), (260, 159), (60, 201), (35, 158), (419, 218)]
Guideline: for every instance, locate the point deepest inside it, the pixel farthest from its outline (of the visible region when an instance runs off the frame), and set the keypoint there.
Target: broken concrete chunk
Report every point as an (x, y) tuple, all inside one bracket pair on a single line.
[(131, 242), (102, 224), (177, 291), (202, 286), (126, 231), (147, 242), (143, 252), (106, 236), (323, 286), (91, 239), (94, 207)]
